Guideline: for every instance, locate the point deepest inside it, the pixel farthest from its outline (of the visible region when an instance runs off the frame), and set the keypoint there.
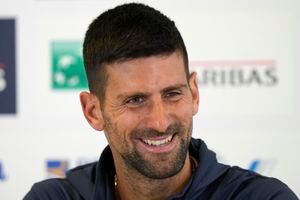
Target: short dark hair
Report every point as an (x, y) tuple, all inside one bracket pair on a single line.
[(126, 32)]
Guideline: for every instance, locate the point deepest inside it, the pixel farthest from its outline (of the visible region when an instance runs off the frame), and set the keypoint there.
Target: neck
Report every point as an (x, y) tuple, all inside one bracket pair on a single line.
[(132, 185)]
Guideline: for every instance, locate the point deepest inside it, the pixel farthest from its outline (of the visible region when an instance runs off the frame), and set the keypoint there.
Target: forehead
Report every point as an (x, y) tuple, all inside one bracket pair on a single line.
[(147, 73)]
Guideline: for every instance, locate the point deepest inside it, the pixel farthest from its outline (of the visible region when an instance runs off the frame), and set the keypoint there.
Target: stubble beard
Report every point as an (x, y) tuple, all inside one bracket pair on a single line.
[(165, 165)]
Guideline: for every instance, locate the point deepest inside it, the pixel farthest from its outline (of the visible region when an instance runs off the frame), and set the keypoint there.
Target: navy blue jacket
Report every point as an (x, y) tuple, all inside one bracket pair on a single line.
[(211, 180)]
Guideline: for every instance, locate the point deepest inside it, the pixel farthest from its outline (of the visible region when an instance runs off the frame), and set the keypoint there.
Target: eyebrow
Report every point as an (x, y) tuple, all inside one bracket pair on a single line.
[(174, 87), (134, 94), (145, 94)]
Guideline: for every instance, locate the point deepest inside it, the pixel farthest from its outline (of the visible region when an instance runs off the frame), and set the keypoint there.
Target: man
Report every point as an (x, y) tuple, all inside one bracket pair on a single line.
[(143, 97)]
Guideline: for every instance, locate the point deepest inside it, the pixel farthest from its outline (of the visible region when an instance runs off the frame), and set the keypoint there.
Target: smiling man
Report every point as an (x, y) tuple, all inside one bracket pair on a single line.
[(143, 97), (147, 119)]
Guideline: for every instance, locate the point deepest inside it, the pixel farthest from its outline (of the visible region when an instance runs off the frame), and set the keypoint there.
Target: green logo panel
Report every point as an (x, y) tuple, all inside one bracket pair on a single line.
[(67, 65)]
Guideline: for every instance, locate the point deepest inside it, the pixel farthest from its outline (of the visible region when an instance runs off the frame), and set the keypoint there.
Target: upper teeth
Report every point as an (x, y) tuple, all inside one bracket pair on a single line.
[(158, 142)]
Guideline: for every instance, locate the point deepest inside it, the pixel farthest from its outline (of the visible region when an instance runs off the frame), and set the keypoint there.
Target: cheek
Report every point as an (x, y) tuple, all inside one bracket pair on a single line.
[(131, 119), (124, 124), (184, 109), (184, 116)]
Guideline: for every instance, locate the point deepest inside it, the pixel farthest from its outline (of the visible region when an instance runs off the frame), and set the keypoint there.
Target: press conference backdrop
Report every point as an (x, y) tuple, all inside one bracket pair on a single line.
[(246, 54)]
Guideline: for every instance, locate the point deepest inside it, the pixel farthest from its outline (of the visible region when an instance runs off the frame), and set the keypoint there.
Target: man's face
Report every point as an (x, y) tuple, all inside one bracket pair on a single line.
[(148, 110)]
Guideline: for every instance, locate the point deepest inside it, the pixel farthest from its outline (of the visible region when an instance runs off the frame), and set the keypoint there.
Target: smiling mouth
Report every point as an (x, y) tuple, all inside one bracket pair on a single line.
[(158, 142)]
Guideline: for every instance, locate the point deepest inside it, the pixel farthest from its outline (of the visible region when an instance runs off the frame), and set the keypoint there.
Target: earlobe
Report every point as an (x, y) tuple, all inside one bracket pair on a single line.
[(195, 92), (91, 109)]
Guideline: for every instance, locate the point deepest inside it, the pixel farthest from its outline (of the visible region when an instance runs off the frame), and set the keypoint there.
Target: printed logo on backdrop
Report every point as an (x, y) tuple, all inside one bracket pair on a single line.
[(67, 65), (240, 87), (236, 73), (262, 166), (7, 67), (57, 168), (2, 173)]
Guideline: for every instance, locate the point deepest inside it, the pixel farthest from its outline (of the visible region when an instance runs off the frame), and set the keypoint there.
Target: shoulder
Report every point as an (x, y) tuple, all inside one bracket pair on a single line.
[(58, 189), (239, 183), (78, 182)]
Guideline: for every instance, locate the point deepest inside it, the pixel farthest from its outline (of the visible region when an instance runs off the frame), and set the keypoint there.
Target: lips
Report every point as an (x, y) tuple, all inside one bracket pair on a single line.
[(158, 142)]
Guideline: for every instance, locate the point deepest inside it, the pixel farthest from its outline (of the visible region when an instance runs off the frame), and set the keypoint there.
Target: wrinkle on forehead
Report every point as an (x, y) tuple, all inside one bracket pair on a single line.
[(147, 72)]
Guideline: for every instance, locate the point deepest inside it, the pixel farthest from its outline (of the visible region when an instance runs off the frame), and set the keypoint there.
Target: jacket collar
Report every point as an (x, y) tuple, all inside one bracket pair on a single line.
[(208, 170)]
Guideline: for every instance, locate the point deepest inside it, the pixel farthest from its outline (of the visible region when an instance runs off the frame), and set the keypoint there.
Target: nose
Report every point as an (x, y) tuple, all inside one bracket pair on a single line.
[(158, 117)]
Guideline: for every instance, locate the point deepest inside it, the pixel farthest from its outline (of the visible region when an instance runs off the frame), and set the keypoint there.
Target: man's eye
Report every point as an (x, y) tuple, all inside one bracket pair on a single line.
[(173, 95), (135, 101)]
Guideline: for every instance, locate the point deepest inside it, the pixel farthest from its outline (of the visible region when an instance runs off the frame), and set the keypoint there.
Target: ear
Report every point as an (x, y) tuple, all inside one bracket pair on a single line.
[(91, 110), (195, 92)]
